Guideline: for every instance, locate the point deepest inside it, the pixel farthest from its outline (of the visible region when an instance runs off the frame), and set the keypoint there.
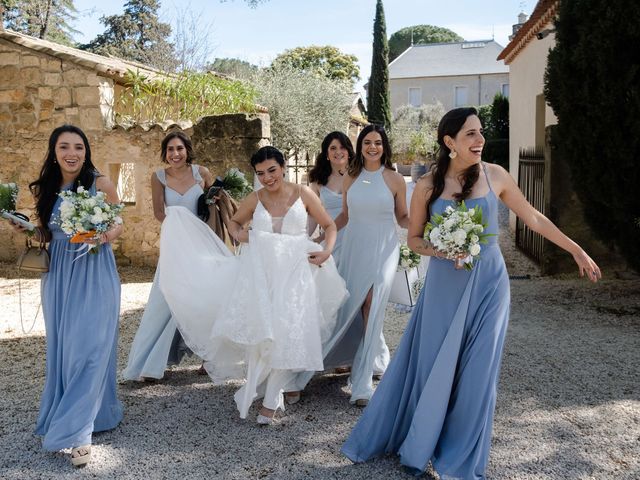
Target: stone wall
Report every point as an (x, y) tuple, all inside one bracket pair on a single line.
[(39, 92)]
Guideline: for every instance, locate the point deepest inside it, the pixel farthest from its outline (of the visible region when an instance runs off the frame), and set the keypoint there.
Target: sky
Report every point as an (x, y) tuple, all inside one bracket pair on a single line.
[(257, 35)]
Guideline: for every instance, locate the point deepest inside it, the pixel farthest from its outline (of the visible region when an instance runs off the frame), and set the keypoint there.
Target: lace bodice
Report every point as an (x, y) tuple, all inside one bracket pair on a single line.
[(294, 221)]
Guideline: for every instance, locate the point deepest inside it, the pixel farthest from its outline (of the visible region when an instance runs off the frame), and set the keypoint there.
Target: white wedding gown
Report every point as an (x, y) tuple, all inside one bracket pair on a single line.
[(263, 312)]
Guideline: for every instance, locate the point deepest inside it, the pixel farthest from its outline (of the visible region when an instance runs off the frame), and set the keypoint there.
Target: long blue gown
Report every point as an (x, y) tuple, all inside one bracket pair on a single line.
[(437, 399), (368, 260), (81, 306), (157, 342)]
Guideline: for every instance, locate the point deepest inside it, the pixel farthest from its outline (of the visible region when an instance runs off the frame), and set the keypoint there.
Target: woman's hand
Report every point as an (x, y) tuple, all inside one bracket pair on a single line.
[(587, 266), (318, 258)]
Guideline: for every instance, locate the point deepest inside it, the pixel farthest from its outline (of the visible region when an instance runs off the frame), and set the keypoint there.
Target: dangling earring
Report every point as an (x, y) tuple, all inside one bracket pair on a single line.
[(453, 154)]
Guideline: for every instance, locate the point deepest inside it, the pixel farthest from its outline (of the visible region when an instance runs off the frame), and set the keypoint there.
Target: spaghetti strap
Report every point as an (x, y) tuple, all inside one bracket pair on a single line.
[(486, 176)]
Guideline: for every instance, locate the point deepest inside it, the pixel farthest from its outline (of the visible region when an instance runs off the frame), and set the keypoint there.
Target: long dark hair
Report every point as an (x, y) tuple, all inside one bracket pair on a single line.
[(322, 169), (46, 188), (185, 140), (357, 165), (450, 124)]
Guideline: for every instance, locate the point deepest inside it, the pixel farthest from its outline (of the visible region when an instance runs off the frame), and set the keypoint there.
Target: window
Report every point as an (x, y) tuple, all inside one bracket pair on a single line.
[(415, 96), (461, 96), (123, 175), (505, 89)]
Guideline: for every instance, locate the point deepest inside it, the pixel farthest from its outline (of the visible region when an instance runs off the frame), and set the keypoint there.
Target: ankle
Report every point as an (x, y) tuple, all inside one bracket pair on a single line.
[(267, 412)]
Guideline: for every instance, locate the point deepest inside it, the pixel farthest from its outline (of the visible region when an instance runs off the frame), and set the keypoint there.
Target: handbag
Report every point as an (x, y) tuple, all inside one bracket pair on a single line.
[(35, 258)]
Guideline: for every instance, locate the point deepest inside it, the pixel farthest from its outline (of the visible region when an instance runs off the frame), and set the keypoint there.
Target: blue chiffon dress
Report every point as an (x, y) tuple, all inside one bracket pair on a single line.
[(81, 306), (436, 400), (332, 203), (367, 260), (158, 342)]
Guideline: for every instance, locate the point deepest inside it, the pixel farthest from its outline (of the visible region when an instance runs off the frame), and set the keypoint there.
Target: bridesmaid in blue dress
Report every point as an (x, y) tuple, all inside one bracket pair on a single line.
[(81, 306), (157, 342), (373, 199), (326, 179), (437, 398)]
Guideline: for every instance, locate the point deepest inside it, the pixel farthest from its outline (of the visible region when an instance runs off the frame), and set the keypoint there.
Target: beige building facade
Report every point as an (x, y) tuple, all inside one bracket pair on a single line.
[(526, 56), (454, 74)]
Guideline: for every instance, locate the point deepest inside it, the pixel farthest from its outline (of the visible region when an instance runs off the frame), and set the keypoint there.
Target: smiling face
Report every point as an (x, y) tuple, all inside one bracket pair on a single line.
[(338, 155), (372, 148), (270, 174), (468, 142), (70, 154), (176, 153)]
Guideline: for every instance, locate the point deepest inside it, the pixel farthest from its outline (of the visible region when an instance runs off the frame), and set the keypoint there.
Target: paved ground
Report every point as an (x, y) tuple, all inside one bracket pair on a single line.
[(568, 406)]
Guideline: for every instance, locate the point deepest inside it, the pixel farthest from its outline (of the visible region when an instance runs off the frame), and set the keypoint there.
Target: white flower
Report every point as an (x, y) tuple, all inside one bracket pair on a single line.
[(474, 239), (459, 236), (474, 250), (80, 189)]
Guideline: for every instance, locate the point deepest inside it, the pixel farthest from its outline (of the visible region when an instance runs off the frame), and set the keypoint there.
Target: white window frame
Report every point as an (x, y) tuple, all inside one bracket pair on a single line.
[(455, 95), (419, 90), (502, 88)]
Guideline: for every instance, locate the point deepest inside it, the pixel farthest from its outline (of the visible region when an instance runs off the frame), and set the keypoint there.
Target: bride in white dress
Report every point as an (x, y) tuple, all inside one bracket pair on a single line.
[(263, 315)]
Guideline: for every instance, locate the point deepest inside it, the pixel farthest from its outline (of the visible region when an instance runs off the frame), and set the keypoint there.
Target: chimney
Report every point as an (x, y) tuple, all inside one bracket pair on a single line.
[(522, 19)]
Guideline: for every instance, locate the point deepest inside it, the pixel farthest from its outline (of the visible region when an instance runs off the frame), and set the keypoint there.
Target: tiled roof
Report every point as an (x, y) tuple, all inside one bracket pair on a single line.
[(111, 67), (544, 12), (448, 59)]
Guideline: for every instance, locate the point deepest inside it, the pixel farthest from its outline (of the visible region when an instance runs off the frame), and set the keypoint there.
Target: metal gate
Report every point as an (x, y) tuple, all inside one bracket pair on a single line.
[(531, 183)]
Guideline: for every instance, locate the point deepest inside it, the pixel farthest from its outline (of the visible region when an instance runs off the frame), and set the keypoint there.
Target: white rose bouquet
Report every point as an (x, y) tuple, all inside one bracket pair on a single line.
[(408, 258), (458, 231), (86, 216)]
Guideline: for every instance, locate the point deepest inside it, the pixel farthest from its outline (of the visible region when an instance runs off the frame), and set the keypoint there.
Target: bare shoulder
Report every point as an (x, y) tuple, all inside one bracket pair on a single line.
[(425, 182), (348, 181), (393, 176), (307, 192), (315, 187), (204, 171)]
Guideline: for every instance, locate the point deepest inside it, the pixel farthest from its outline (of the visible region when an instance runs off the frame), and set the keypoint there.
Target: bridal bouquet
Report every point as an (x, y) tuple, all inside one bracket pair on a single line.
[(8, 197), (86, 216), (408, 258), (458, 231)]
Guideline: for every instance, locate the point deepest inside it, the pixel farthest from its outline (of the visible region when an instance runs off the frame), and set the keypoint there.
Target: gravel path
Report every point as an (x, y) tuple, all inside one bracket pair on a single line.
[(568, 406)]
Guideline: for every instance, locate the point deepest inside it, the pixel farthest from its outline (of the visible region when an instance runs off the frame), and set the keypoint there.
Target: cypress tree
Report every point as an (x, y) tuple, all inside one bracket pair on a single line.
[(592, 83), (378, 109)]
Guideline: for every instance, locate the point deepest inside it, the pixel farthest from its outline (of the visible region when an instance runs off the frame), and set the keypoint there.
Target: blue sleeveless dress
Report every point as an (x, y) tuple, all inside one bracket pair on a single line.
[(436, 400), (332, 203), (157, 341), (368, 260), (81, 306)]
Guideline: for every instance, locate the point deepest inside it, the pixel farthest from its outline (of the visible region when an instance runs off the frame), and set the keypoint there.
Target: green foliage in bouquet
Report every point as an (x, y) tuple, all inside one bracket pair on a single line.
[(8, 197), (236, 184)]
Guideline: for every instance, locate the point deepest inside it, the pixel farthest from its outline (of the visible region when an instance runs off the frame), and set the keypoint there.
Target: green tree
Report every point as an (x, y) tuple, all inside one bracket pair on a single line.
[(495, 121), (328, 61), (414, 134), (138, 35), (303, 106), (419, 35), (592, 83), (233, 67), (378, 108), (46, 19)]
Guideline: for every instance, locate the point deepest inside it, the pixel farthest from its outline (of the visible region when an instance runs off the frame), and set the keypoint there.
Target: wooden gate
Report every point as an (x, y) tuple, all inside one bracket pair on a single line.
[(531, 183)]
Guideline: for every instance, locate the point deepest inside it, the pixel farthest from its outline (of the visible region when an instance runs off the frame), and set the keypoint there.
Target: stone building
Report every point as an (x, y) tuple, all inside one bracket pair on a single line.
[(44, 85)]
